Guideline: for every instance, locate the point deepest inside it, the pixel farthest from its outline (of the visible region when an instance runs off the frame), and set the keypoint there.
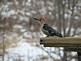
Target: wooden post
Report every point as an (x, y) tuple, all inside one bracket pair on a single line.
[(69, 43), (79, 56), (61, 42), (3, 47)]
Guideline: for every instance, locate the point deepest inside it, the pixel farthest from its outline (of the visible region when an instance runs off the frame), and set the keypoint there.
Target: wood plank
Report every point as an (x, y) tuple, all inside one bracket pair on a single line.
[(73, 49), (61, 42)]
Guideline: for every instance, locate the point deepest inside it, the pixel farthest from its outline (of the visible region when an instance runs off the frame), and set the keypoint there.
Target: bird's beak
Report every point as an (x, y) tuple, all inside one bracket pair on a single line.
[(35, 18)]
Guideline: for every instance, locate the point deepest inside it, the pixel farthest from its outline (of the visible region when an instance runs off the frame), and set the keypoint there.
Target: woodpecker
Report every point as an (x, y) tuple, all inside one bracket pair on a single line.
[(46, 29), (41, 20), (49, 31)]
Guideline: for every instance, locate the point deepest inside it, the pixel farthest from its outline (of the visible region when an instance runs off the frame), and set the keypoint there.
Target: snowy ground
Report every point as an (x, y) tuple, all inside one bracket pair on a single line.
[(25, 52)]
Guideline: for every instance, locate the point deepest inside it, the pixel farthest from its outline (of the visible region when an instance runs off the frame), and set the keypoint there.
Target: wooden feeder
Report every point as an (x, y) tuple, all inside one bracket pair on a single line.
[(69, 43)]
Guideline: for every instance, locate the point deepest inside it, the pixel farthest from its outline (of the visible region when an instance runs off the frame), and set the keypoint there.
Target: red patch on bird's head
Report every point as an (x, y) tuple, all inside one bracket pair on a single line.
[(41, 18)]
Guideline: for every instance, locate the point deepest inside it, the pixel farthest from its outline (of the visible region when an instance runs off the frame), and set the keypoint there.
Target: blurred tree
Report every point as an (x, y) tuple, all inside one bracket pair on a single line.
[(64, 15)]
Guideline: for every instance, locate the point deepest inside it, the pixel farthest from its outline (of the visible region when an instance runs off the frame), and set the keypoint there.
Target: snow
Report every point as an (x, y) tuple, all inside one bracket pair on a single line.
[(74, 53), (24, 50), (29, 1), (29, 14), (17, 26)]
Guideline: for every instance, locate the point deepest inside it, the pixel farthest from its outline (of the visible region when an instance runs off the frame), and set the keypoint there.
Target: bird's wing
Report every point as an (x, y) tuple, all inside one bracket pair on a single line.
[(45, 31), (51, 30)]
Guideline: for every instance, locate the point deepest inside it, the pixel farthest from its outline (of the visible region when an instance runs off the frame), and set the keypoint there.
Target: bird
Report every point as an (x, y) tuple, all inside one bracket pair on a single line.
[(40, 20), (46, 29), (49, 31), (35, 23)]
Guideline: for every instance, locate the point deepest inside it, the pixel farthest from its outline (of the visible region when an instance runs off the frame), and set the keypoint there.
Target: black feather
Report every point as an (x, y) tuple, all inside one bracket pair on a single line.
[(49, 31)]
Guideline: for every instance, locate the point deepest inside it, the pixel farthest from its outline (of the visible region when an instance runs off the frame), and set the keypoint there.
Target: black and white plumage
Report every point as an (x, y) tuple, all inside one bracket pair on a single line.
[(49, 31)]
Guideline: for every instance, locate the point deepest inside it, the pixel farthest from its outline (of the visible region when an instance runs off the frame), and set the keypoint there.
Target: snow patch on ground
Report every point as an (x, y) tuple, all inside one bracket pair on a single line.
[(24, 50)]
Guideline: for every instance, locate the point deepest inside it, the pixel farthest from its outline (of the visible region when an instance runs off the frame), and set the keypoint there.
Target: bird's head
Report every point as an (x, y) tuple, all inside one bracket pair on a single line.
[(41, 19)]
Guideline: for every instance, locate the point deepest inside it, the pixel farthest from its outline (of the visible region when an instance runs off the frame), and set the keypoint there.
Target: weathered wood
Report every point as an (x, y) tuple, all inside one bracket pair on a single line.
[(61, 42), (79, 56), (76, 49), (70, 43)]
